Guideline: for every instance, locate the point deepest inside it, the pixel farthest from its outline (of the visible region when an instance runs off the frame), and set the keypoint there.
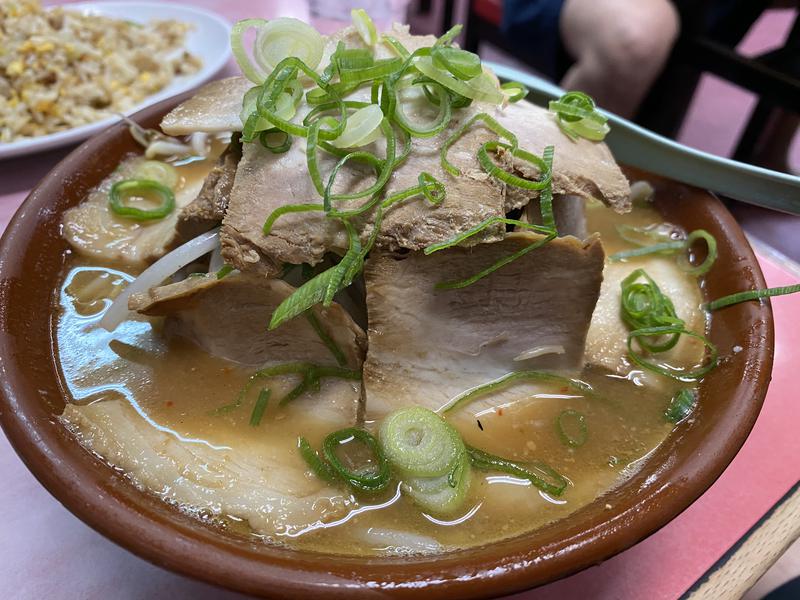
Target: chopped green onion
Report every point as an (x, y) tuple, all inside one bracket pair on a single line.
[(566, 423), (643, 304), (449, 285), (577, 116), (397, 46), (438, 125), (251, 71), (286, 209), (420, 443), (462, 64), (444, 494), (749, 295), (319, 289), (315, 462), (669, 371), (472, 231), (378, 70), (260, 407), (130, 187), (514, 91), (545, 173), (352, 59), (364, 26), (157, 170), (488, 121), (373, 480), (482, 88), (383, 176), (326, 339), (311, 374), (681, 405), (546, 195), (286, 37), (538, 473), (449, 35), (224, 271), (430, 187), (678, 246), (362, 128), (661, 248), (509, 379), (711, 253), (282, 146)]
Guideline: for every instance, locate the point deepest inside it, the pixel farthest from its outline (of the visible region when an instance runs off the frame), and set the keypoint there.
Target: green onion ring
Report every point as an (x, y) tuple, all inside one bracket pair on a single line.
[(280, 148), (489, 122), (485, 461), (383, 176), (419, 443), (509, 379), (563, 434), (514, 90), (497, 172), (694, 375), (315, 462), (366, 482), (675, 247), (711, 254), (681, 405), (438, 125), (122, 189), (643, 304)]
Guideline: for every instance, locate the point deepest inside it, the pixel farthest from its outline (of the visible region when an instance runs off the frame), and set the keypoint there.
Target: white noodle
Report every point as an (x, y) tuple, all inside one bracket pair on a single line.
[(165, 148), (537, 351), (199, 143), (158, 272), (216, 262)]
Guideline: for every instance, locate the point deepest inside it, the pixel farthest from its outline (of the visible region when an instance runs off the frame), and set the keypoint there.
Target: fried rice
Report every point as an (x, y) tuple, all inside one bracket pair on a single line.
[(60, 69)]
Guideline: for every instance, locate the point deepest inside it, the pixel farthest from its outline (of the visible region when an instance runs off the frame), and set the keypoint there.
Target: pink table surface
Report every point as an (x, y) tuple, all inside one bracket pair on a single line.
[(45, 552)]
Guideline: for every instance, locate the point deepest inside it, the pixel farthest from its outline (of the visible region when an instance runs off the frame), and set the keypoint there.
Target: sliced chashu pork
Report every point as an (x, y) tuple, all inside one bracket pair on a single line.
[(427, 346), (207, 210), (93, 230), (215, 108), (254, 478), (228, 318), (265, 182)]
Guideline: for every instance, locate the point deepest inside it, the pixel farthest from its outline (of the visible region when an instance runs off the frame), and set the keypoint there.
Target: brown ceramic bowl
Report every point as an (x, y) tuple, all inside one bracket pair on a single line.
[(31, 260)]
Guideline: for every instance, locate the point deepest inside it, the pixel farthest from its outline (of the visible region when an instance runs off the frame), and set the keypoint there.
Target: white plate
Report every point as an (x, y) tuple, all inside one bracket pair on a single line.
[(209, 40)]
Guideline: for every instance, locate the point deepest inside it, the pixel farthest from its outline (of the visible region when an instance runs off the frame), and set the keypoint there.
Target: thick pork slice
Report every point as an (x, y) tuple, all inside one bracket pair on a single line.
[(267, 181), (207, 210), (228, 318), (427, 346), (215, 108), (259, 479)]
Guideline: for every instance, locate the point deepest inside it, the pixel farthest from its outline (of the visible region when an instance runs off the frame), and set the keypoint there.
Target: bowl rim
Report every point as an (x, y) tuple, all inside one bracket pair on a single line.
[(110, 504)]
